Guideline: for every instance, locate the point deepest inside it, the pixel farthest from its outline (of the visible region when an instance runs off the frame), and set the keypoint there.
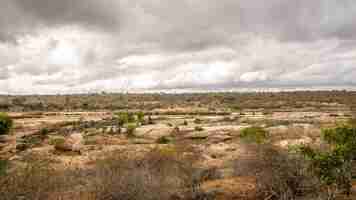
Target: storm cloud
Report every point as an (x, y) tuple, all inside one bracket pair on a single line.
[(51, 46)]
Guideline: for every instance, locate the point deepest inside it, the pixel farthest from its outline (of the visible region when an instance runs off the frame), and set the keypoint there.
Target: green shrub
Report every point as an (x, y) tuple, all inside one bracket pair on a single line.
[(3, 166), (163, 140), (130, 129), (141, 117), (131, 117), (254, 134), (44, 131), (122, 118), (334, 166), (5, 124), (57, 141)]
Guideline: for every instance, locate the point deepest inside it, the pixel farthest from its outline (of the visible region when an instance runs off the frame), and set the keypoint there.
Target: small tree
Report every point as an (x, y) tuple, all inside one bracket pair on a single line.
[(5, 124), (130, 129), (141, 117), (122, 118), (333, 167)]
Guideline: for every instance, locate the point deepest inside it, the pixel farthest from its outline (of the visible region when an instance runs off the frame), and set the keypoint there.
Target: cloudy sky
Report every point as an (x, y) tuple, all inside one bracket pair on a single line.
[(70, 46)]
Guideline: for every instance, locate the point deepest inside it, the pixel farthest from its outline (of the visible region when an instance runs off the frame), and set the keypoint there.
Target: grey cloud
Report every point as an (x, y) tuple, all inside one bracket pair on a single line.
[(170, 44)]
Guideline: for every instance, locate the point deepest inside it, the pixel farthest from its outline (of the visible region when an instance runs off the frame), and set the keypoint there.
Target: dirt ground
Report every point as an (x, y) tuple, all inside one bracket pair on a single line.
[(217, 138)]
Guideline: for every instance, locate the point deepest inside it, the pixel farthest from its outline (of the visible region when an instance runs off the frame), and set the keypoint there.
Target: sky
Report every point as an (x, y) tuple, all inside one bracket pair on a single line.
[(75, 46)]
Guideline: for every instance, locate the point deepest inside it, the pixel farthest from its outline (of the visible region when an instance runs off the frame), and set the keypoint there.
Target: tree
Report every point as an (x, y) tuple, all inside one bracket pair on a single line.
[(333, 167), (5, 124)]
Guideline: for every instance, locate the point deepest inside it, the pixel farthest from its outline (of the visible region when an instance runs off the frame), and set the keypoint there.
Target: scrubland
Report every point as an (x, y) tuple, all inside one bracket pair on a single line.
[(248, 146)]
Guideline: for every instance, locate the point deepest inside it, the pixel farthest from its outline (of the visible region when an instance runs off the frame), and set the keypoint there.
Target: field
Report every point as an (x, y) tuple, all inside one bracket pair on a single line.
[(168, 146)]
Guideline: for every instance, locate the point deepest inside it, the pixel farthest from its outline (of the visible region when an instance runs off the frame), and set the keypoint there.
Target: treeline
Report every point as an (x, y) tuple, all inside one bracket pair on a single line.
[(210, 101)]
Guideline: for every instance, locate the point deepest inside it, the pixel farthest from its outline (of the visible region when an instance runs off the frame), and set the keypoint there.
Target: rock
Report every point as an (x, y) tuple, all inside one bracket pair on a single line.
[(73, 143)]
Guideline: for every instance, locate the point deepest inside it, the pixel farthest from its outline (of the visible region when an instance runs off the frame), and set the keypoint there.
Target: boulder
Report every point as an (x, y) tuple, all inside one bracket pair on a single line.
[(72, 143)]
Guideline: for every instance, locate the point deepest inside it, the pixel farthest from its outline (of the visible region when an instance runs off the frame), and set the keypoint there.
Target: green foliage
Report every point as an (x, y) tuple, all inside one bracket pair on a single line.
[(163, 140), (3, 166), (122, 118), (254, 134), (57, 141), (5, 124), (140, 117), (333, 167), (130, 129), (131, 117), (44, 131)]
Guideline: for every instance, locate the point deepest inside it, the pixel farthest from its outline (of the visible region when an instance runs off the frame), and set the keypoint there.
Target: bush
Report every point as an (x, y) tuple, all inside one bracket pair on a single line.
[(198, 128), (33, 180), (5, 124), (141, 117), (163, 140), (3, 166), (130, 129), (44, 131), (161, 174), (197, 121), (333, 166), (279, 175), (254, 134), (122, 118)]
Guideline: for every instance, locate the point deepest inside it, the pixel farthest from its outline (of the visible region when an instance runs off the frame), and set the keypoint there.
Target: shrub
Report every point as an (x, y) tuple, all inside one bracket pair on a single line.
[(198, 128), (3, 166), (131, 117), (163, 140), (162, 173), (44, 131), (279, 175), (59, 144), (5, 124), (122, 118), (141, 117), (197, 121), (33, 180), (130, 129), (254, 134), (333, 167)]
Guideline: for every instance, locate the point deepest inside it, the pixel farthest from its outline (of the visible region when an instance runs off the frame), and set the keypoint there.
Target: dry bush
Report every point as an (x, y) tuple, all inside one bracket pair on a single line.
[(163, 173), (34, 179), (160, 174), (280, 175)]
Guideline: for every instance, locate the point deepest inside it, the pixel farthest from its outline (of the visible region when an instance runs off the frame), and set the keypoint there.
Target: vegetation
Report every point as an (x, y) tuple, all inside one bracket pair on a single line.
[(130, 129), (333, 166), (254, 134), (279, 174), (5, 124), (162, 173), (198, 128), (163, 140)]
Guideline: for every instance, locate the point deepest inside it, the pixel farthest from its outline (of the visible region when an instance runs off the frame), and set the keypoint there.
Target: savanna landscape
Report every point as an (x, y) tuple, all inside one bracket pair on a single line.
[(248, 146), (177, 100)]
